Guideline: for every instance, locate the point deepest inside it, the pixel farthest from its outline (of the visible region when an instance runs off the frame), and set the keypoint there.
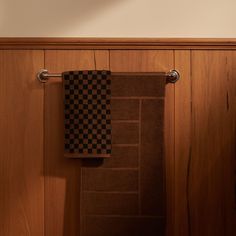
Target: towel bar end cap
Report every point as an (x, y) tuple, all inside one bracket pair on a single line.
[(173, 76), (42, 75)]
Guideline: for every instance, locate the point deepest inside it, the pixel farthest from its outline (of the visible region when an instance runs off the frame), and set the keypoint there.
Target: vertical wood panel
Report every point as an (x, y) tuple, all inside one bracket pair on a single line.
[(21, 138), (102, 59), (63, 176), (213, 143), (182, 141), (141, 60)]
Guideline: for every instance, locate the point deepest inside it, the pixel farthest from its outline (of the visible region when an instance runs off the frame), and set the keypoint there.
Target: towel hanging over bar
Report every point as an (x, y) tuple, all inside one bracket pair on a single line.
[(87, 114), (171, 76)]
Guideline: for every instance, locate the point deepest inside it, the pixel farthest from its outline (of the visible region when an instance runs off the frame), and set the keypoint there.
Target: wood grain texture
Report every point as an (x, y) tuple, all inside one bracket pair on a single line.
[(141, 60), (62, 176), (211, 186), (117, 43), (21, 138), (102, 59), (182, 142)]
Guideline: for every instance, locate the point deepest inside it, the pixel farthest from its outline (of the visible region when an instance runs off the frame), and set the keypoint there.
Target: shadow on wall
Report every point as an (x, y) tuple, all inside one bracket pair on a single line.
[(47, 17)]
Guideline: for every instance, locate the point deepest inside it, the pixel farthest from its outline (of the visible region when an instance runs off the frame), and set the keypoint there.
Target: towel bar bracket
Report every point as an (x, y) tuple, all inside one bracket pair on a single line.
[(172, 76), (43, 75)]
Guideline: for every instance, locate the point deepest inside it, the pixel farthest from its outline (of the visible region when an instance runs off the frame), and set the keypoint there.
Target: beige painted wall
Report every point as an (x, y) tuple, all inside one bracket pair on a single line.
[(118, 18)]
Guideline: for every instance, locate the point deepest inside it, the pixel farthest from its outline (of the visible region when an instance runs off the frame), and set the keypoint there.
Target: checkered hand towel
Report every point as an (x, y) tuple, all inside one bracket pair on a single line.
[(87, 96)]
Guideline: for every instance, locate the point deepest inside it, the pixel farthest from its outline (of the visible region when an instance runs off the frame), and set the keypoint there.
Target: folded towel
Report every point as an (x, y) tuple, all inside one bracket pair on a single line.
[(87, 97)]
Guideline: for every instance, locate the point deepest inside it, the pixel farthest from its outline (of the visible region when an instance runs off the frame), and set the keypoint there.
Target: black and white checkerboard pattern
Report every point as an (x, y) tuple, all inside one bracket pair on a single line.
[(87, 97)]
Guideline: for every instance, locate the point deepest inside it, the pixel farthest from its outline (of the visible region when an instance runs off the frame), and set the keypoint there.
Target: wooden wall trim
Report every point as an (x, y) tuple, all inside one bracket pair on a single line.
[(118, 43)]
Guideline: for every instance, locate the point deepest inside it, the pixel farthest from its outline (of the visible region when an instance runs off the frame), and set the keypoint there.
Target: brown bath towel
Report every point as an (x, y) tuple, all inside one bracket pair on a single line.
[(125, 194)]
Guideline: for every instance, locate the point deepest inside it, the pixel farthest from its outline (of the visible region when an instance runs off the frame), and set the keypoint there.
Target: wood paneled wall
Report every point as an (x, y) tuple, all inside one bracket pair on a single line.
[(21, 140), (40, 190)]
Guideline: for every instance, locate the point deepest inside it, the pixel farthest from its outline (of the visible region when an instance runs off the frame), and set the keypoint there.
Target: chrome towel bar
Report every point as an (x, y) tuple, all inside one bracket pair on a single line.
[(171, 76)]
